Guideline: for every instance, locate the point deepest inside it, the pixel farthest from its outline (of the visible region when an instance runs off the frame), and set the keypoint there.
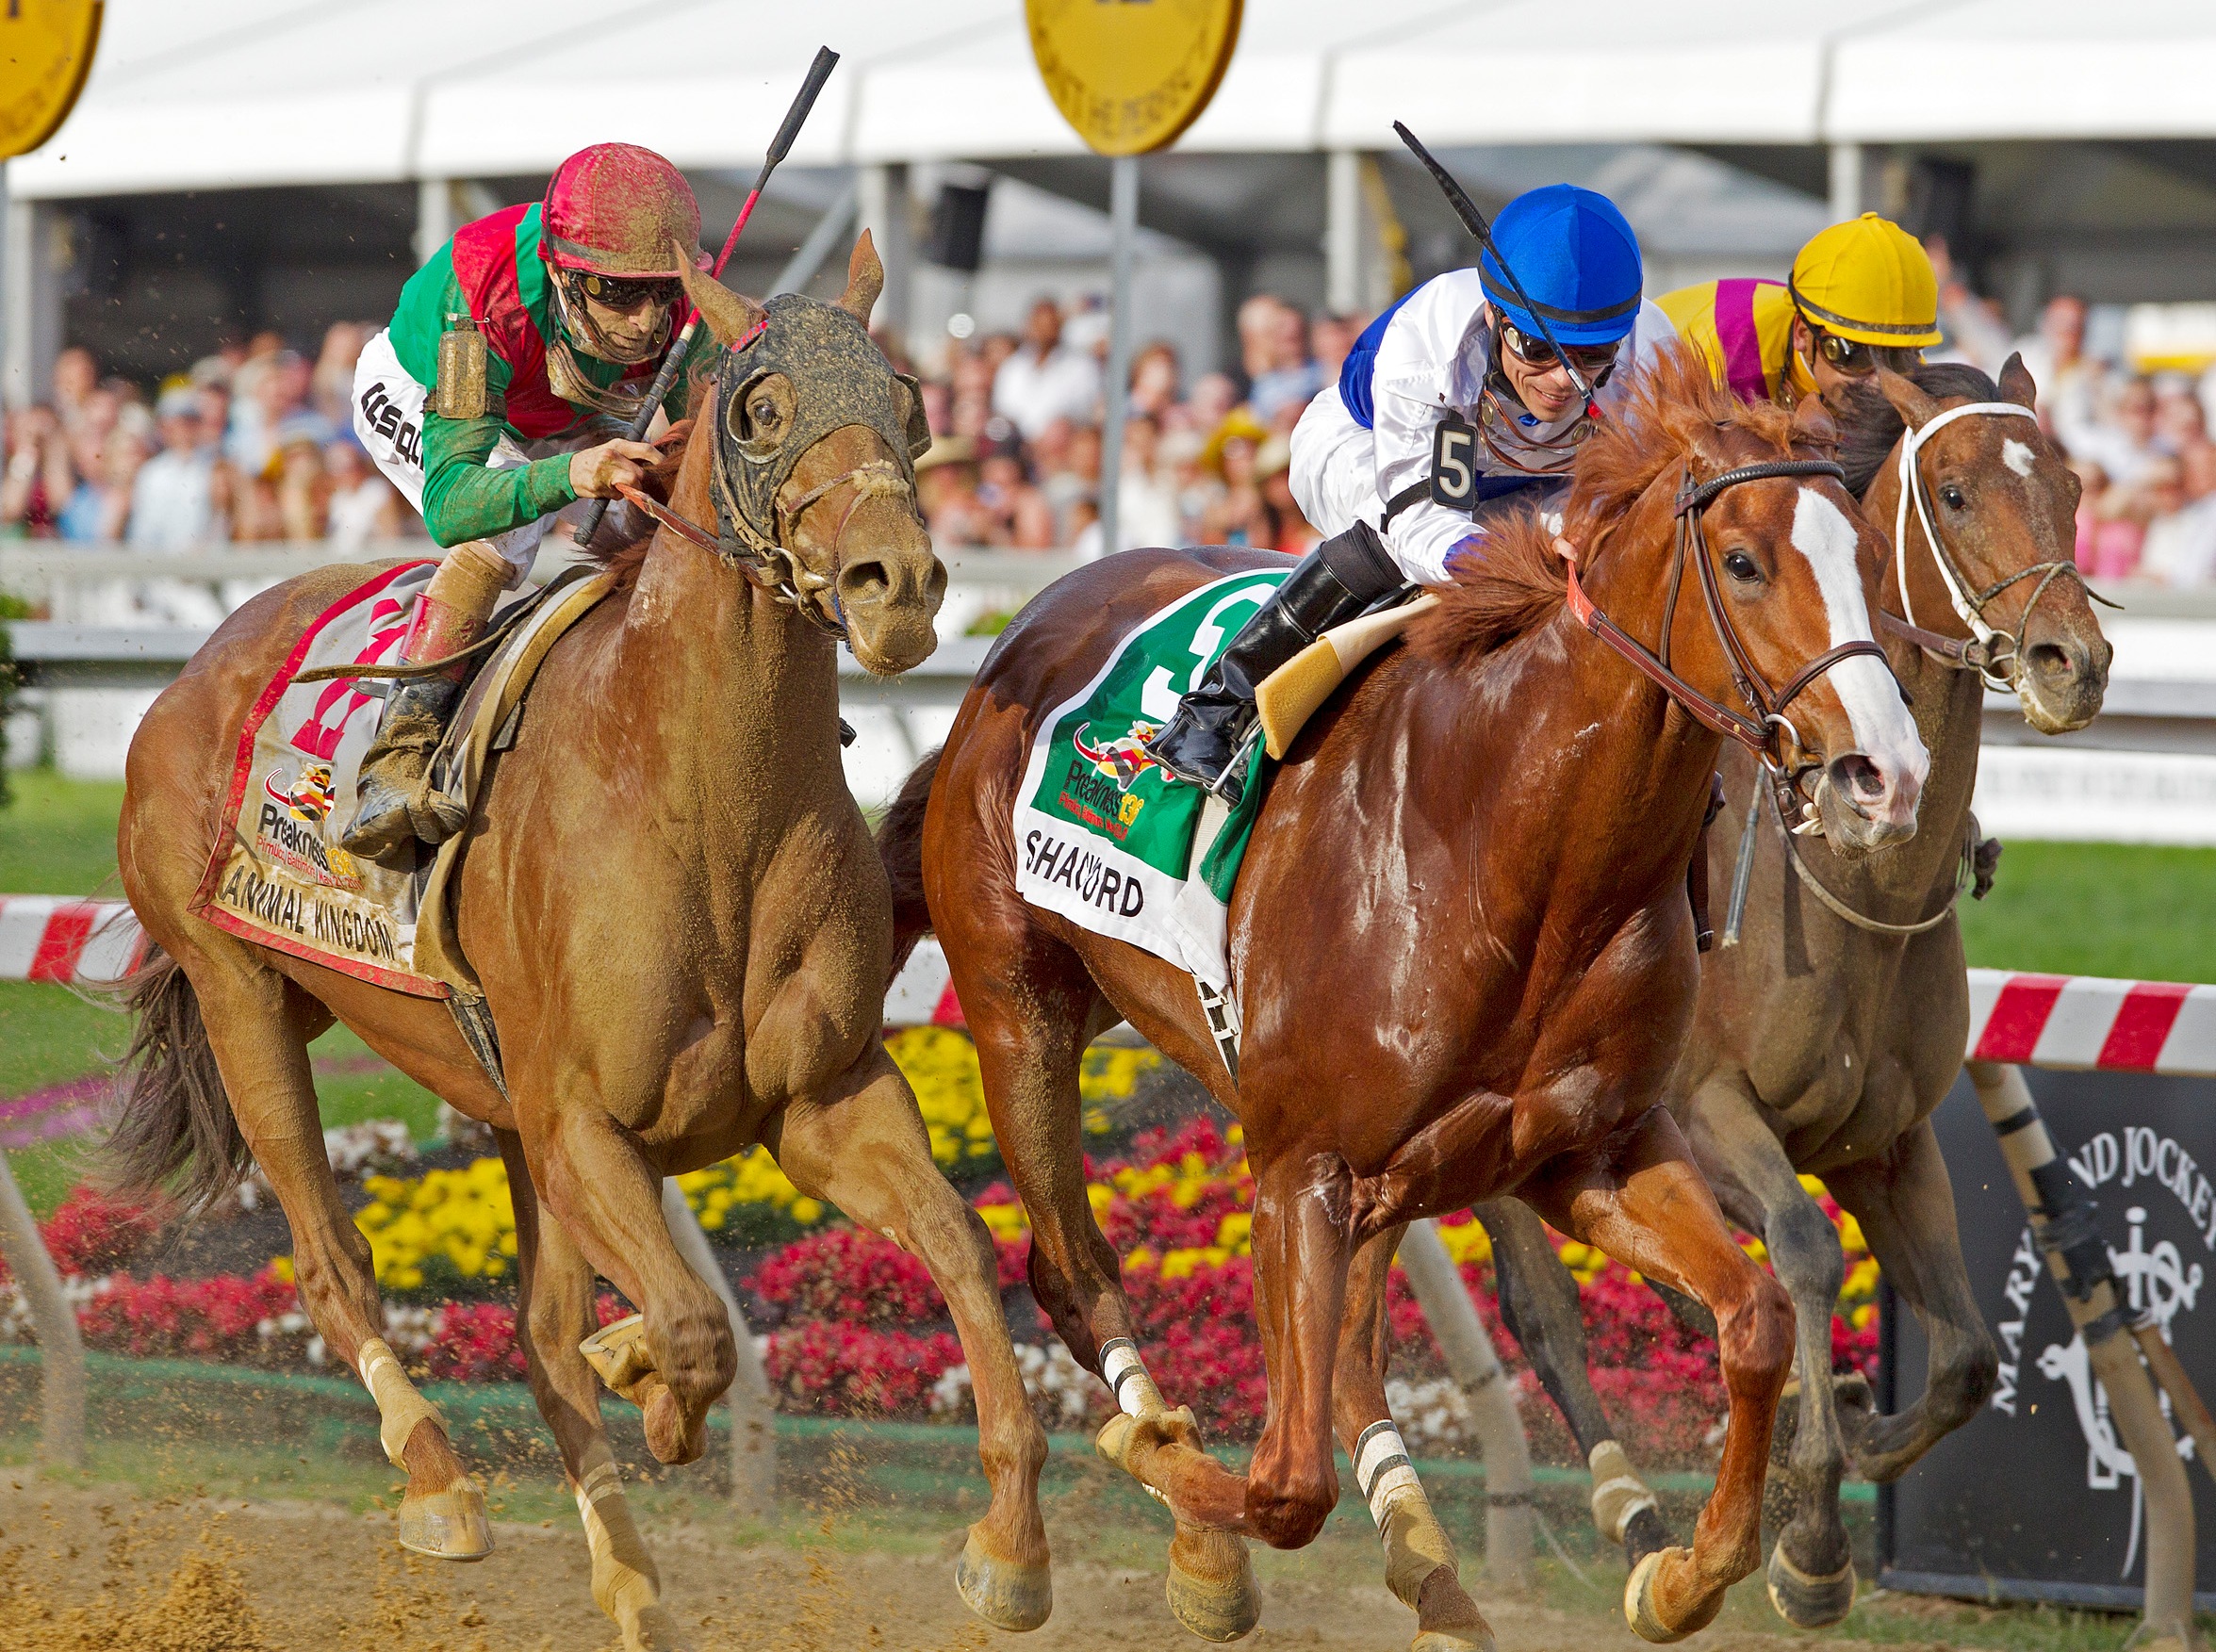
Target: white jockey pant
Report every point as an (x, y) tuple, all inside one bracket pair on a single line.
[(388, 422)]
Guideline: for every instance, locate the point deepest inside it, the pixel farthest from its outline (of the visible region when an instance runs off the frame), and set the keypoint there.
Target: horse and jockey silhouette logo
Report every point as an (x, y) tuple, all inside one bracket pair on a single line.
[(1121, 759), (2157, 1281)]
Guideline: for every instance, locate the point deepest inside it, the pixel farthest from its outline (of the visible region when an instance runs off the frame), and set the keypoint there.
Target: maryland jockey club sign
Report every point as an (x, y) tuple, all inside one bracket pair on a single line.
[(2036, 1497), (1130, 76), (45, 52)]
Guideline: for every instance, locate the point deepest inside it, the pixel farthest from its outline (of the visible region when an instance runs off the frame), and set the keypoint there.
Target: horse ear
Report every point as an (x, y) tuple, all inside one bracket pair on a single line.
[(1813, 425), (866, 279), (2015, 382), (730, 317), (1908, 398)]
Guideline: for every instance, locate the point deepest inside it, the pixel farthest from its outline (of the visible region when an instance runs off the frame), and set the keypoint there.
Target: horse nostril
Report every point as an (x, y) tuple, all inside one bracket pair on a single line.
[(864, 581), (1855, 776), (2051, 660)]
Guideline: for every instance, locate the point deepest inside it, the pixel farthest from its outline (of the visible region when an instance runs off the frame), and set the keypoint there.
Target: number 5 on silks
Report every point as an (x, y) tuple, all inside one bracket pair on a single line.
[(1454, 464)]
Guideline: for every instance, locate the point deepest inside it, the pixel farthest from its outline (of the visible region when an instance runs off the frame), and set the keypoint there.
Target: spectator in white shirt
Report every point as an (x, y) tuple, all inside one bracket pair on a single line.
[(1045, 380), (172, 498)]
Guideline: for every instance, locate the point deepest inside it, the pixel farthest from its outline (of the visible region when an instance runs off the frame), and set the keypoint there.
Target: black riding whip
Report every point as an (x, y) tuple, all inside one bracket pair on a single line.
[(1474, 221), (803, 100)]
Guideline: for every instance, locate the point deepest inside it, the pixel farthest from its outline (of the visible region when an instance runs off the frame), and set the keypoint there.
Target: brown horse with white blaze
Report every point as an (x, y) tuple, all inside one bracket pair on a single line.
[(1461, 950), (682, 931)]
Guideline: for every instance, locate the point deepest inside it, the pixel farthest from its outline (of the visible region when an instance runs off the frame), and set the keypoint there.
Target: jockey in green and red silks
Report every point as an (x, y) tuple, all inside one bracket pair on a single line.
[(495, 400)]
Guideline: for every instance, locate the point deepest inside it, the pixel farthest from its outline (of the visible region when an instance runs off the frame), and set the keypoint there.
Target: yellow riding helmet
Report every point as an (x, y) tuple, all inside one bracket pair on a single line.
[(1868, 280)]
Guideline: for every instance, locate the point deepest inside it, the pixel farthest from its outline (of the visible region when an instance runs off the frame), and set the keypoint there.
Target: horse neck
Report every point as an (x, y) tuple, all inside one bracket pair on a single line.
[(1632, 767), (1949, 706), (732, 679)]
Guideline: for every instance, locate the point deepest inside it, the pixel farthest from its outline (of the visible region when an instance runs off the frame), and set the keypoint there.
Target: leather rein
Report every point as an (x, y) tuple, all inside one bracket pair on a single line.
[(1760, 732)]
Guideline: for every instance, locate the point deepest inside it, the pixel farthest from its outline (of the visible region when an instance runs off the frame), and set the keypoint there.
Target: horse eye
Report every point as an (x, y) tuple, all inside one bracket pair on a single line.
[(764, 413), (1740, 567), (1953, 496)]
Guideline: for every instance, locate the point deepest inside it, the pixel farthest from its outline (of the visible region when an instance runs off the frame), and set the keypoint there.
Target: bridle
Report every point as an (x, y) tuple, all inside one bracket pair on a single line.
[(1762, 734), (1995, 654), (765, 563)]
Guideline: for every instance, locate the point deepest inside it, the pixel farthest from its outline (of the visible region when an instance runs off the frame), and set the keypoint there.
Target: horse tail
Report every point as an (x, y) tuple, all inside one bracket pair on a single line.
[(900, 846), (174, 1132)]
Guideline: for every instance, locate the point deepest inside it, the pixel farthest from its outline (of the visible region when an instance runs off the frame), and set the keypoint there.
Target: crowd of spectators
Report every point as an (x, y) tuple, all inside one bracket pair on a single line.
[(2139, 442), (254, 444), (1016, 462)]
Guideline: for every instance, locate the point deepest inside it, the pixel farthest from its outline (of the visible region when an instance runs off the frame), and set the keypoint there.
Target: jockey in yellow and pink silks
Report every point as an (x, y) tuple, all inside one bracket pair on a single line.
[(1862, 295)]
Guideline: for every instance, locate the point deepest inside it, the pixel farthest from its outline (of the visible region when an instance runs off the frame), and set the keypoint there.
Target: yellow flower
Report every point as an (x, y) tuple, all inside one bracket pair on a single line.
[(1466, 1242)]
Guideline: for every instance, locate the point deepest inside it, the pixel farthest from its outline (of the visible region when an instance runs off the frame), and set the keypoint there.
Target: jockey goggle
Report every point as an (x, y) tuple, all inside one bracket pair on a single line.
[(1845, 354), (1596, 362), (623, 293)]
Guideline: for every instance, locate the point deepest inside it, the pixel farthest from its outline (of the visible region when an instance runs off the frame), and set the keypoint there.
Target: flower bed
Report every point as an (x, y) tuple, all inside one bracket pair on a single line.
[(854, 1325)]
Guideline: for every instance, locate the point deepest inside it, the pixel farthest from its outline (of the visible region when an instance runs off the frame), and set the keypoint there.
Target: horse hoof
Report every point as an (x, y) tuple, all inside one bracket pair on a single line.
[(1638, 1602), (667, 1437), (1447, 1619), (617, 1353), (654, 1629), (1211, 1585), (450, 1525), (1005, 1594), (1114, 1438), (1452, 1641), (1807, 1602)]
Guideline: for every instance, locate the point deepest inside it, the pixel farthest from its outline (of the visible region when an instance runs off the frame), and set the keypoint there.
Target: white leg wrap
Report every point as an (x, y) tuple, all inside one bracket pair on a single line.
[(624, 1579), (1135, 1392), (1383, 1470), (400, 1408), (1618, 1493)]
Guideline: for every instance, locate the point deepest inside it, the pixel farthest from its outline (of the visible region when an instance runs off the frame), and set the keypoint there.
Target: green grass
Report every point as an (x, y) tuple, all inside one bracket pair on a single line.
[(57, 838), (2098, 910)]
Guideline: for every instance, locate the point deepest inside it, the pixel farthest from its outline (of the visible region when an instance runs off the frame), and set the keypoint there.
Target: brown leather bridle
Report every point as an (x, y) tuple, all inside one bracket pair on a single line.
[(1760, 733)]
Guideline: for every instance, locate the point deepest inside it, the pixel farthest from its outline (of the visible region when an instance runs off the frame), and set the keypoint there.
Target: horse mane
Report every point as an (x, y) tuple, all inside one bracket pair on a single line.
[(1870, 425), (624, 558), (1516, 584)]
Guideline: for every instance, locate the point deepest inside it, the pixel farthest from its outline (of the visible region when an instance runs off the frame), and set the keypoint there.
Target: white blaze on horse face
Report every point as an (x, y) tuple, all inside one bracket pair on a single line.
[(1883, 731), (2016, 456)]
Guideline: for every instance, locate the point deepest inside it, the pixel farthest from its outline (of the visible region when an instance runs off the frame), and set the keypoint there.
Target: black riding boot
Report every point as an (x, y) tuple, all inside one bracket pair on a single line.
[(1333, 583), (397, 811)]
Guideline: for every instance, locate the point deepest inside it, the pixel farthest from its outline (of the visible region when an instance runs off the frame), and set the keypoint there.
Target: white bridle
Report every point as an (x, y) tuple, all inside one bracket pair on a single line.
[(1969, 605)]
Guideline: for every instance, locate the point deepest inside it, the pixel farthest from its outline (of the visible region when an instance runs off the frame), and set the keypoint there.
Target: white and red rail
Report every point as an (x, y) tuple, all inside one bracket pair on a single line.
[(2040, 1021)]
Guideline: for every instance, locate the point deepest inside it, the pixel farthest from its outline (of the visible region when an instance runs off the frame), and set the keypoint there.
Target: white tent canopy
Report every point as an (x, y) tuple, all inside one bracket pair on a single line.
[(233, 93)]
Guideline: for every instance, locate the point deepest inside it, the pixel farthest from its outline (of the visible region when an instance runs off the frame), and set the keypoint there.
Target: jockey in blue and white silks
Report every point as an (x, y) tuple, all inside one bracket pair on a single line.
[(1452, 407)]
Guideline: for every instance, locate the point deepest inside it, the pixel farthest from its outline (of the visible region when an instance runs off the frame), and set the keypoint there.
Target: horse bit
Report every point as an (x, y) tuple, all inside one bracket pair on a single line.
[(1760, 733)]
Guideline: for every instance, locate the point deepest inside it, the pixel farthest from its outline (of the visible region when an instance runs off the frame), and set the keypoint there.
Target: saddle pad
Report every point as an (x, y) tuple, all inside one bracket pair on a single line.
[(1108, 839), (278, 876), (478, 731)]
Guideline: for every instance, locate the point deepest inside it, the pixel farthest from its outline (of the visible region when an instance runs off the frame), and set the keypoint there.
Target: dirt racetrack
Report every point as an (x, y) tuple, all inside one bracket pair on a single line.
[(101, 1569)]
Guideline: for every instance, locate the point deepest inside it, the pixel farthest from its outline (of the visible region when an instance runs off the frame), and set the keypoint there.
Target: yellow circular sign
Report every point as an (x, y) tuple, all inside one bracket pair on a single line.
[(45, 53), (1131, 74)]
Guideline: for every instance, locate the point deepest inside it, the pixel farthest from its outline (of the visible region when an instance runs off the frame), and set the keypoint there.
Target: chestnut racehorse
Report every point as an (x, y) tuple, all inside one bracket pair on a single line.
[(1462, 952), (682, 927), (1823, 1041)]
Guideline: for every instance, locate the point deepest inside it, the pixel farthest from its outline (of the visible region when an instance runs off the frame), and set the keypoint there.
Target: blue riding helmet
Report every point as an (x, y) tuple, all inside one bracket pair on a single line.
[(1577, 259)]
